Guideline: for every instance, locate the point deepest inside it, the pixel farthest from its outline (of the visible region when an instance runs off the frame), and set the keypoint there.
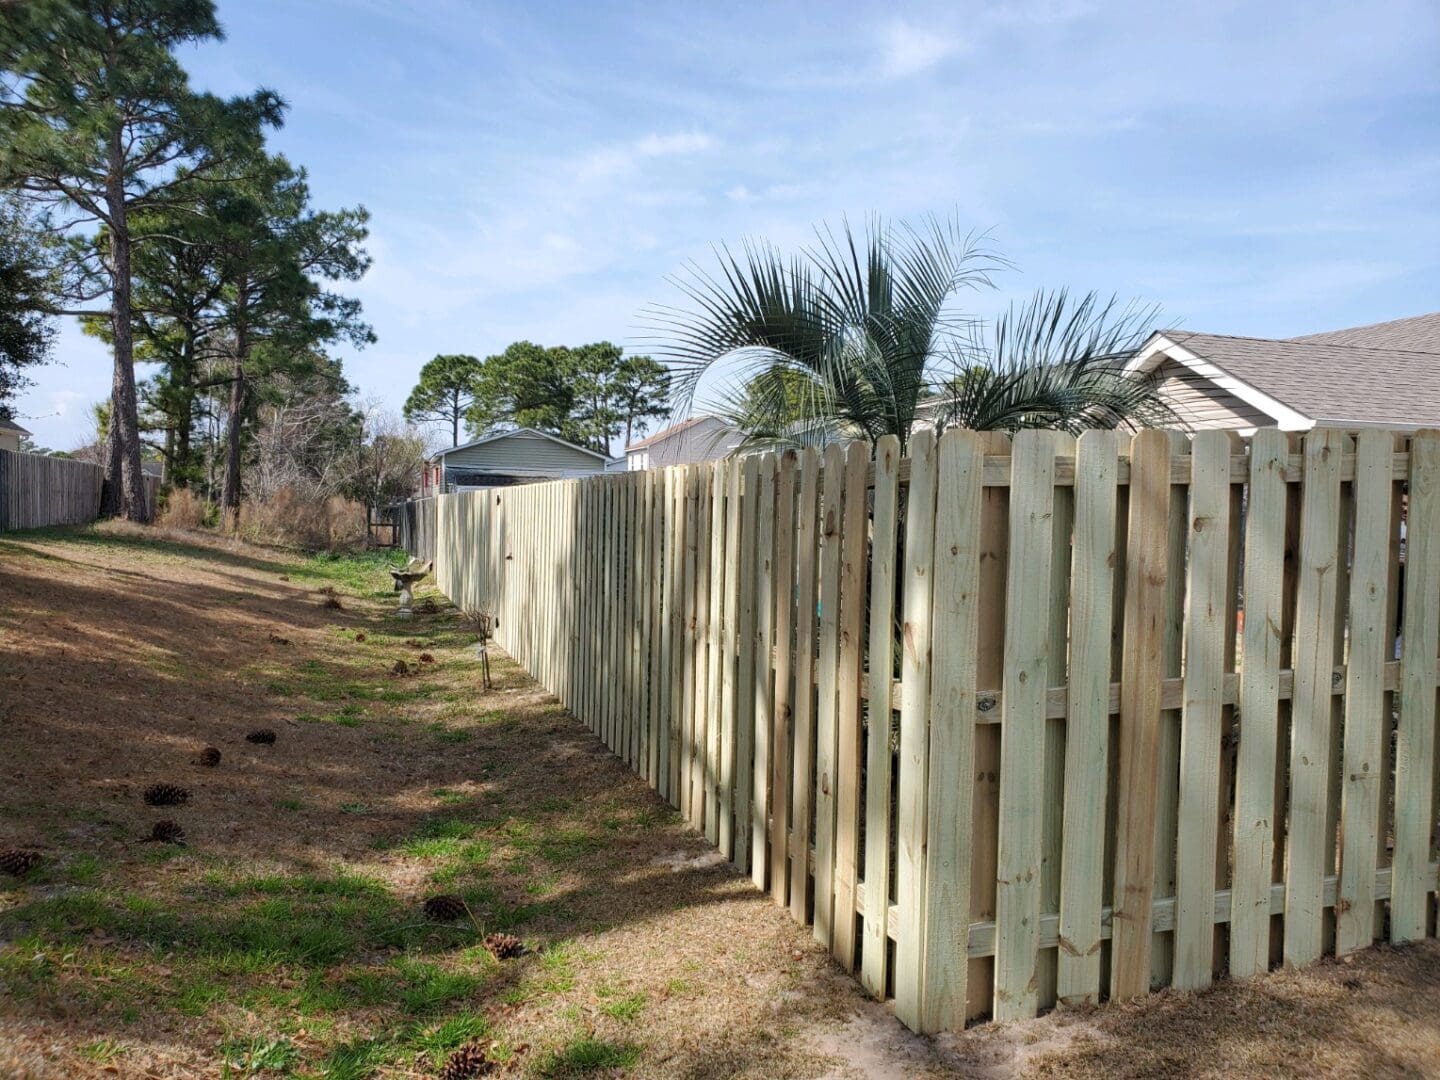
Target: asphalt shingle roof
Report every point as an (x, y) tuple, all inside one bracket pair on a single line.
[(1418, 334), (1335, 382)]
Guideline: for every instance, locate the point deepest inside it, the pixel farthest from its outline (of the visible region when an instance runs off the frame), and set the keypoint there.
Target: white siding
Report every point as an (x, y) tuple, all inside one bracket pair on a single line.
[(707, 439)]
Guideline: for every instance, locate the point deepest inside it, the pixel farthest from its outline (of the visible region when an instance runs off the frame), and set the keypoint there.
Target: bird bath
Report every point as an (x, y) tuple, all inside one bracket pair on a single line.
[(405, 582)]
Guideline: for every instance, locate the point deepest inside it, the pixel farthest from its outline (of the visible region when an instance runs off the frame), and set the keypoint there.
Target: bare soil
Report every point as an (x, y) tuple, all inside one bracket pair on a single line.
[(286, 938)]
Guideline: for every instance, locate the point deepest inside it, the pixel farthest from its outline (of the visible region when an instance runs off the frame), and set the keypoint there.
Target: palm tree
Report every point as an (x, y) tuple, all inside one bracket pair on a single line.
[(858, 336)]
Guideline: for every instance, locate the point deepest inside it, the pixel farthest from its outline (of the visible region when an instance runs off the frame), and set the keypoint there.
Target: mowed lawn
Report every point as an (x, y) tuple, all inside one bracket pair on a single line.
[(286, 936)]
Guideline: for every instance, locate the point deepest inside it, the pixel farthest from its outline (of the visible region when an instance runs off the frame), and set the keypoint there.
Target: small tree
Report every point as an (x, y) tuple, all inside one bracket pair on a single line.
[(852, 337), (445, 393), (98, 123)]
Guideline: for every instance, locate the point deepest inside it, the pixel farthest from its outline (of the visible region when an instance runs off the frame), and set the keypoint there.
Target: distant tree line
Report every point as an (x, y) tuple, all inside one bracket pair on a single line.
[(591, 395)]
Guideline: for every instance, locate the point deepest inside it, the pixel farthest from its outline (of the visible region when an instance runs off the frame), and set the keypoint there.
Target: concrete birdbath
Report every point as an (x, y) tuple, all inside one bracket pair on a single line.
[(405, 582)]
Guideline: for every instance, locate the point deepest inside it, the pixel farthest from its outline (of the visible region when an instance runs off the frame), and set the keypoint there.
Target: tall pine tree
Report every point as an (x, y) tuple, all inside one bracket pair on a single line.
[(98, 123)]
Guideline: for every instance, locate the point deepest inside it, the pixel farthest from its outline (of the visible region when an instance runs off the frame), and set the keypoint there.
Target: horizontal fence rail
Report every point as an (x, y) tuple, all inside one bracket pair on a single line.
[(36, 491), (1012, 723)]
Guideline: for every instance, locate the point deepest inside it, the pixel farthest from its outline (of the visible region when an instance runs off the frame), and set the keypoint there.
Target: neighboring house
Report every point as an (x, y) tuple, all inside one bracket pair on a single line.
[(1383, 375), (504, 458), (701, 438), (10, 434)]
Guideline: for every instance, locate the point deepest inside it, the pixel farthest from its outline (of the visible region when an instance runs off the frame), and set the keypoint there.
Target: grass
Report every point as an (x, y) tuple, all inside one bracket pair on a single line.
[(287, 940), (586, 1055)]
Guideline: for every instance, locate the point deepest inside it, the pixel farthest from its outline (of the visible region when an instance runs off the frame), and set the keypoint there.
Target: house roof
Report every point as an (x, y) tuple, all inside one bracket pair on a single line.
[(10, 425), (1317, 379), (495, 436), (667, 433), (1418, 334)]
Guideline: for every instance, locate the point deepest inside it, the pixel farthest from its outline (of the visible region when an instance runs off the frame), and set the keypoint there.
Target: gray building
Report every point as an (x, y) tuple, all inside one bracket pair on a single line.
[(505, 458)]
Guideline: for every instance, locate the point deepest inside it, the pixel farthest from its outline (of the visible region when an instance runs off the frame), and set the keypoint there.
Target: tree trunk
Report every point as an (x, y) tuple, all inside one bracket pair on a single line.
[(123, 463), (455, 420), (230, 498)]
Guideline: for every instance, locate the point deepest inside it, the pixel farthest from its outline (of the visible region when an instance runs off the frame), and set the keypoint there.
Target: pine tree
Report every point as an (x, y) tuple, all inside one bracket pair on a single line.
[(97, 124)]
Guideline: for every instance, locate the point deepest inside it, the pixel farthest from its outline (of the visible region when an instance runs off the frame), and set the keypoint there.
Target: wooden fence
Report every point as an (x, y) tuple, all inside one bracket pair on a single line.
[(36, 491), (993, 717), (415, 527)]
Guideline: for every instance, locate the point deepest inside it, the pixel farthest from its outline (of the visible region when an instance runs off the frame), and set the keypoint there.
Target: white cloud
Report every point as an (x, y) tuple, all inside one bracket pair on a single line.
[(618, 160), (908, 50)]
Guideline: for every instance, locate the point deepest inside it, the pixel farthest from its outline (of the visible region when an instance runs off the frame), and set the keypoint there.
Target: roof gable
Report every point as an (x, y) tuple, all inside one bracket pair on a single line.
[(1301, 383), (520, 433)]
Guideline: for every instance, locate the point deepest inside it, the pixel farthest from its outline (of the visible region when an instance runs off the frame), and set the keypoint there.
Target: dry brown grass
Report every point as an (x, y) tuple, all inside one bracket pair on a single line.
[(183, 510), (290, 519), (288, 932)]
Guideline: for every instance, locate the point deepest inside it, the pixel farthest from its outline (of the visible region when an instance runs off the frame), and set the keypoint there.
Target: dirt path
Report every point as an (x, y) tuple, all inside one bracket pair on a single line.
[(286, 937)]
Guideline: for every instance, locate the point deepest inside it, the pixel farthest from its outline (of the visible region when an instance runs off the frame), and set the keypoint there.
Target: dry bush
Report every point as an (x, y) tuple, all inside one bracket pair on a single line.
[(290, 519), (183, 510)]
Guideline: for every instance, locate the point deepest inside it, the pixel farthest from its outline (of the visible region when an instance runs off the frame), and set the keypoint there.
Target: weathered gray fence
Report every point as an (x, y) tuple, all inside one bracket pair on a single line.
[(36, 491)]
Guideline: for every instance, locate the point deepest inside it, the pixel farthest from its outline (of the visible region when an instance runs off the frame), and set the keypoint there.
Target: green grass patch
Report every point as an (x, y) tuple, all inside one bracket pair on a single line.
[(625, 1008), (583, 1056)]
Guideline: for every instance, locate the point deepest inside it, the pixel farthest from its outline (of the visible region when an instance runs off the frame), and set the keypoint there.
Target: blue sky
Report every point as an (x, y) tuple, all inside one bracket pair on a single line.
[(536, 170)]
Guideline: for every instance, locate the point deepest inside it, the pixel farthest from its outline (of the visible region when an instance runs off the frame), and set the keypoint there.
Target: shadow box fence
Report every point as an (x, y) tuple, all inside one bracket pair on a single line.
[(1012, 723)]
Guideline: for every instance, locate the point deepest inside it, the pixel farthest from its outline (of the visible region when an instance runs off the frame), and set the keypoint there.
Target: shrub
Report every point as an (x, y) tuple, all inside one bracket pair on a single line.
[(183, 509), (290, 519)]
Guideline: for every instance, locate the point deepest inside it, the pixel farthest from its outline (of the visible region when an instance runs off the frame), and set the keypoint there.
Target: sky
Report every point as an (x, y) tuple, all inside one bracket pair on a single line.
[(540, 170)]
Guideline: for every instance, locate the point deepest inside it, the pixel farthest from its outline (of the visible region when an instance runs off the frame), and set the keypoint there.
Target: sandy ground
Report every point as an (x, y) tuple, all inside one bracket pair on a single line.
[(285, 938)]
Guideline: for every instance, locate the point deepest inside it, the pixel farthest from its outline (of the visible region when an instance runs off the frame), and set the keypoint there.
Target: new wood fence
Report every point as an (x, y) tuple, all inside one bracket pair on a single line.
[(993, 717), (36, 491)]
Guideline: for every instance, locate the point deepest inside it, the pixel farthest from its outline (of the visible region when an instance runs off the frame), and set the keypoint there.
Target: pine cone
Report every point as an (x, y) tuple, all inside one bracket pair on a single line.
[(504, 946), (167, 832), (426, 658), (360, 636), (445, 907), (18, 861), (262, 735), (166, 795), (400, 668), (333, 602), (469, 1061), (210, 757)]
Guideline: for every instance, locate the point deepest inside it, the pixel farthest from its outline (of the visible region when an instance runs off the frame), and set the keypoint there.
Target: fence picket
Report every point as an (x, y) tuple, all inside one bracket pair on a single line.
[(1139, 748), (911, 808), (764, 700), (854, 554), (1022, 729), (1207, 578), (783, 740), (1259, 706), (878, 755), (744, 788), (1087, 742), (954, 637), (1310, 703), (1415, 731), (826, 731), (803, 783), (1365, 723)]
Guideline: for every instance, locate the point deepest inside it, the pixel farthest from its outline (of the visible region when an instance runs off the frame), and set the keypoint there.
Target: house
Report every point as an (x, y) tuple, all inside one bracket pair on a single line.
[(505, 458), (10, 434), (701, 438), (1383, 375)]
